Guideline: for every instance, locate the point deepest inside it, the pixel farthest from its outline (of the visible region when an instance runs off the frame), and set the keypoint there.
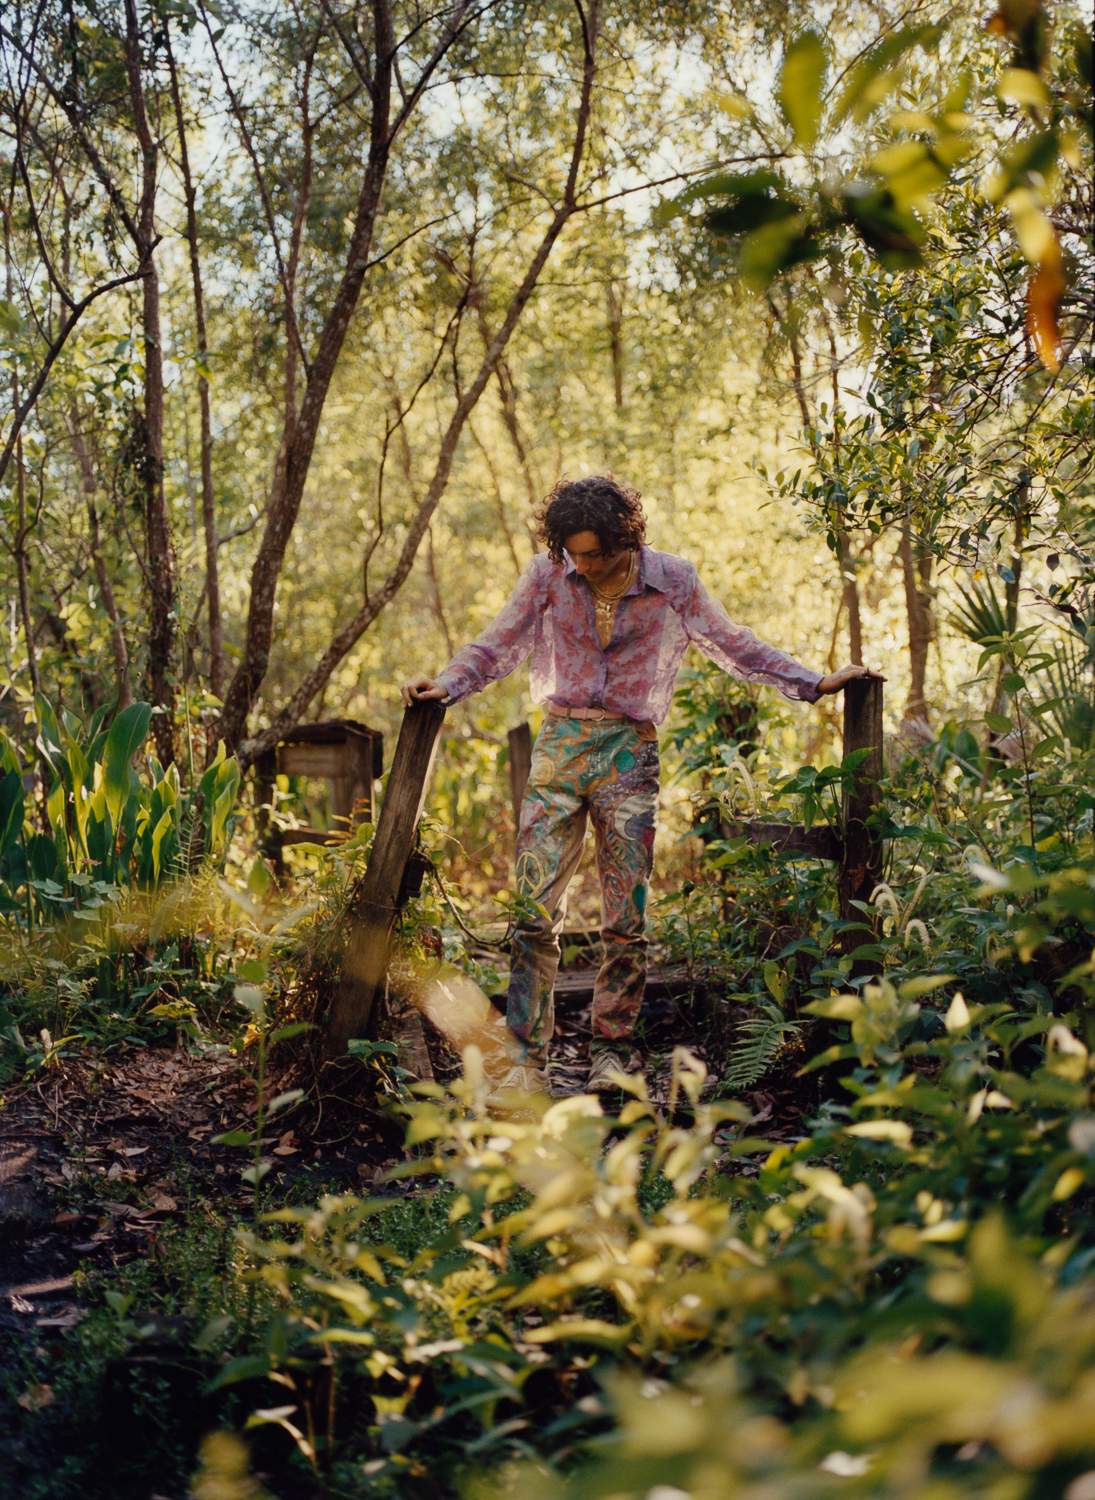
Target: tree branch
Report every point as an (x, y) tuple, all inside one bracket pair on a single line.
[(35, 390)]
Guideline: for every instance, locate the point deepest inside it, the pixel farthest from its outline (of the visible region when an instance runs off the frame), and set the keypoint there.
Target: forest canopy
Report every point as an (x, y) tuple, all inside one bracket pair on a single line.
[(288, 335)]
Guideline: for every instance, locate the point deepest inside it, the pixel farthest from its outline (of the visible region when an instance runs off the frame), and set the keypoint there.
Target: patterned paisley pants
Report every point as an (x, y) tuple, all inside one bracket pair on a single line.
[(607, 771)]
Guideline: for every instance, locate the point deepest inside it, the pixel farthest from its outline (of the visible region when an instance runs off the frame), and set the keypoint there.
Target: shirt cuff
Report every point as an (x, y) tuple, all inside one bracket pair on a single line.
[(454, 686)]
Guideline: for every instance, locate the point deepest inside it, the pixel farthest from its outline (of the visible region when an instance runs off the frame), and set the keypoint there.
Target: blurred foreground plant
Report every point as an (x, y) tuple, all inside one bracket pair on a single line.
[(854, 1300)]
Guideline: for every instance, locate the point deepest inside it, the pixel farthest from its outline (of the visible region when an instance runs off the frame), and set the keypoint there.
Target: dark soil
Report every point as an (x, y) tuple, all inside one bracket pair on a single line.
[(99, 1160)]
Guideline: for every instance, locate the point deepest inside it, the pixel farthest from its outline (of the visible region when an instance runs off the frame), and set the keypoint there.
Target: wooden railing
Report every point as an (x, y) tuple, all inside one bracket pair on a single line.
[(855, 847), (366, 960), (348, 754)]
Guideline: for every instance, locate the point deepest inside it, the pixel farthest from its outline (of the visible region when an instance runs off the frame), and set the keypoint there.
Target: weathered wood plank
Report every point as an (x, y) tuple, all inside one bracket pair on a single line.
[(315, 760), (366, 960), (574, 988), (821, 841), (520, 764), (287, 836), (862, 864)]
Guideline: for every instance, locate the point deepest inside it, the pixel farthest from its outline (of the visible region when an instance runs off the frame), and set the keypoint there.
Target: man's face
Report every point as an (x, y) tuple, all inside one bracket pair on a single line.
[(589, 558)]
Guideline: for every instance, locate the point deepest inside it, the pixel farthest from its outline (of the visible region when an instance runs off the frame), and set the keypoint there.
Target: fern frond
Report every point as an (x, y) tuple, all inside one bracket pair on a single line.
[(762, 1040)]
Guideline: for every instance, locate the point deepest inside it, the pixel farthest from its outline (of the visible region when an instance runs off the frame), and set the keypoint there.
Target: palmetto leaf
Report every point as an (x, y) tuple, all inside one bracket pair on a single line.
[(982, 615)]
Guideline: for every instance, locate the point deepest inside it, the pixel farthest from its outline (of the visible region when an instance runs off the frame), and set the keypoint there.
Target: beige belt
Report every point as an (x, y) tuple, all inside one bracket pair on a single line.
[(596, 714)]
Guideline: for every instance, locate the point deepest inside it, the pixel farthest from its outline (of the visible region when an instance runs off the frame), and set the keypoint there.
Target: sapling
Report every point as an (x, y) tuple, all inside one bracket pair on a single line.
[(251, 995)]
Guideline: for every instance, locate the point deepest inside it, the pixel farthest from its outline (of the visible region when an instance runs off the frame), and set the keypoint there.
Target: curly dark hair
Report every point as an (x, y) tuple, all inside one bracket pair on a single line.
[(601, 504)]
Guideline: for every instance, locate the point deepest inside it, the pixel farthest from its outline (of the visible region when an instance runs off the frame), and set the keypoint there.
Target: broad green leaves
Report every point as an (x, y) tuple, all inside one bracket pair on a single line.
[(780, 222), (126, 736), (129, 828), (11, 810), (873, 79), (801, 85)]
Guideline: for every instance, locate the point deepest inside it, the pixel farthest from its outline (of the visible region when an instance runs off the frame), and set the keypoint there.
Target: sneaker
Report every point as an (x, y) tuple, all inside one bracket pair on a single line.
[(522, 1080), (609, 1069)]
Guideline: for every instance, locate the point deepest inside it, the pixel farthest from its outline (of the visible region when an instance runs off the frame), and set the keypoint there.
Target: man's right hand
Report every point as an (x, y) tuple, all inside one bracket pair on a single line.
[(421, 687)]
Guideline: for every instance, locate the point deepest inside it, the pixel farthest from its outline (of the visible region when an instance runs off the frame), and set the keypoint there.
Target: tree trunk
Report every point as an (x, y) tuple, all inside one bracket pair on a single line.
[(19, 551), (118, 647), (159, 540), (268, 564), (209, 514), (1019, 527), (301, 431), (21, 566), (615, 330), (850, 600), (916, 569), (1012, 587), (507, 395)]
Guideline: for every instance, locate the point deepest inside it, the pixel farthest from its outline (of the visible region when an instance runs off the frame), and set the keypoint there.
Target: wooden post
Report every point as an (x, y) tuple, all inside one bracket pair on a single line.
[(366, 960), (861, 866), (520, 764)]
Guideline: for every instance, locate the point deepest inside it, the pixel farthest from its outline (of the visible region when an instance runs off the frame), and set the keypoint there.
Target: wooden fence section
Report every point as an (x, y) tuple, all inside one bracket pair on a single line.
[(520, 765), (348, 754), (861, 865), (366, 961), (854, 847)]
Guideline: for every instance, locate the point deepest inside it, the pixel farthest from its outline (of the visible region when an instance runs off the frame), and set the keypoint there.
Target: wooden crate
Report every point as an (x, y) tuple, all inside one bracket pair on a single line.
[(347, 754)]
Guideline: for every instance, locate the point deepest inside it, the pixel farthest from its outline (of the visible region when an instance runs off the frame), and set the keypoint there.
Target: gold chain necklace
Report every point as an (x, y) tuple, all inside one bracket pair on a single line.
[(604, 605)]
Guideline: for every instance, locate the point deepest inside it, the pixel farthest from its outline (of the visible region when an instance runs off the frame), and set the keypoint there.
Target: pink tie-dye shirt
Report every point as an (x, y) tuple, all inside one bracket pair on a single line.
[(550, 616)]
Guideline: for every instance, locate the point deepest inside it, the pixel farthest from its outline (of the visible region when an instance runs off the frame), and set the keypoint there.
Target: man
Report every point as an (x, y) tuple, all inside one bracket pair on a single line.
[(607, 621)]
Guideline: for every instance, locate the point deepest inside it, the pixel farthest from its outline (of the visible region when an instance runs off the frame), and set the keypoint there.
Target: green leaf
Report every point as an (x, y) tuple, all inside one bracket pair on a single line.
[(892, 234), (365, 1049), (776, 247), (998, 723), (799, 90), (232, 1138), (923, 984), (253, 972), (1025, 164), (246, 1367), (260, 882), (12, 799), (10, 321), (723, 185), (9, 754), (218, 804), (126, 736), (750, 213), (48, 740), (294, 1028), (875, 77), (159, 833), (776, 980), (249, 997), (1047, 746)]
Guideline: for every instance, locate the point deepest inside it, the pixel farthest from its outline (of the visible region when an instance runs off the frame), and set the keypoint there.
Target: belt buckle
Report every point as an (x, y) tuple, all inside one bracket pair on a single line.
[(604, 715)]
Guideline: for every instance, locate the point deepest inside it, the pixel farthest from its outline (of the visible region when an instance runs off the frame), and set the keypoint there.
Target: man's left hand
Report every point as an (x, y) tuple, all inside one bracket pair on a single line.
[(836, 682)]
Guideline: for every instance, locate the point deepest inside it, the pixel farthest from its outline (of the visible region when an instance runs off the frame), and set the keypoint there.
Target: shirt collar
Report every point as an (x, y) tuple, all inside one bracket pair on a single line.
[(651, 572)]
